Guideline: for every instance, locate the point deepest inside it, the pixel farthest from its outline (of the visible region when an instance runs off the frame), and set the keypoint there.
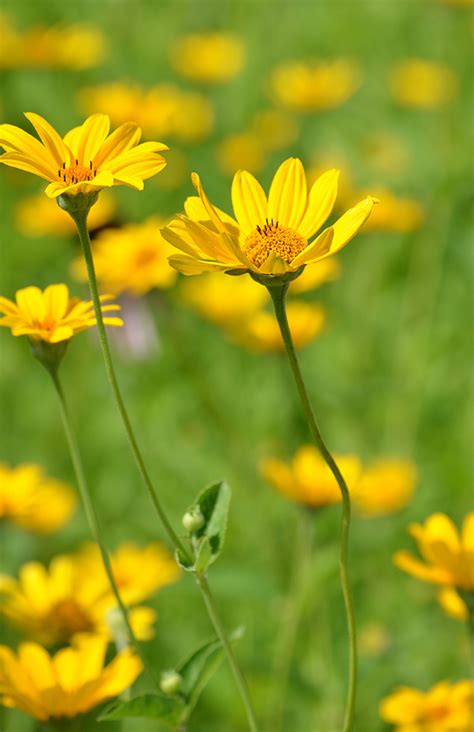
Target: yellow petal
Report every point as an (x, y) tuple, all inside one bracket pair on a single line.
[(249, 201), (349, 224), (287, 197), (14, 139), (30, 165), (404, 560), (468, 533), (37, 661), (191, 266), (7, 306), (90, 138), (52, 141), (122, 139), (30, 302), (317, 249), (211, 211), (56, 298), (321, 199)]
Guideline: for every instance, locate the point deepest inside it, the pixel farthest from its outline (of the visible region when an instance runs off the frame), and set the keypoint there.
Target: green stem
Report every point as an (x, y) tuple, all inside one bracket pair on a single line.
[(222, 635), (278, 295), (91, 514), (80, 219)]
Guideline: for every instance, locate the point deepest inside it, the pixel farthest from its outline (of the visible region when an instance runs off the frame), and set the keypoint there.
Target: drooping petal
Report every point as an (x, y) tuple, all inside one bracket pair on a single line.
[(211, 211), (288, 194), (192, 266), (195, 209), (249, 201), (347, 226), (316, 250), (321, 199)]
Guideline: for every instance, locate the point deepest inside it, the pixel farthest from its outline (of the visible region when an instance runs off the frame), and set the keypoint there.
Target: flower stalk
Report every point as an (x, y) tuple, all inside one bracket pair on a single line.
[(278, 293)]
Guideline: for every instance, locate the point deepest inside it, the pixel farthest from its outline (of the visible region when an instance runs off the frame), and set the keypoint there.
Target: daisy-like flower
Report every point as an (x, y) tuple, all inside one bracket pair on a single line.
[(269, 236), (209, 58), (86, 159), (68, 684), (33, 501), (385, 486), (448, 553), (51, 315), (423, 84), (313, 86), (445, 707)]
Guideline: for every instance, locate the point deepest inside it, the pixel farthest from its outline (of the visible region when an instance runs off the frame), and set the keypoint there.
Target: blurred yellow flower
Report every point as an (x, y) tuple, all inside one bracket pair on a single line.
[(467, 3), (260, 331), (76, 47), (243, 149), (68, 684), (209, 58), (223, 300), (386, 152), (86, 159), (275, 128), (449, 554), (312, 86), (307, 479), (131, 259), (453, 604), (51, 315), (33, 501), (269, 236), (73, 595), (38, 215), (422, 84), (385, 486), (401, 215), (313, 277), (445, 707)]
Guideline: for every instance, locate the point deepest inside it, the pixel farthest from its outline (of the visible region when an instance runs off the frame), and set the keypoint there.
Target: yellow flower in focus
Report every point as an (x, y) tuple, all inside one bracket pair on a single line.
[(260, 332), (245, 149), (268, 236), (453, 604), (131, 259), (68, 684), (51, 315), (38, 215), (307, 479), (448, 553), (385, 486), (275, 128), (400, 215), (312, 86), (223, 300), (33, 501), (86, 159), (445, 707), (209, 58), (422, 84)]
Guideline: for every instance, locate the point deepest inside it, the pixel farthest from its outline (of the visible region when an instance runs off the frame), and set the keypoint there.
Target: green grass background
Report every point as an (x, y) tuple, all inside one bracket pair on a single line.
[(390, 375)]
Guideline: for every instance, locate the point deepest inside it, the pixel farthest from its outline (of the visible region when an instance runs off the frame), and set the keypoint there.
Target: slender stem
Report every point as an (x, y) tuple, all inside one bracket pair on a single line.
[(91, 513), (80, 219), (221, 634), (278, 295)]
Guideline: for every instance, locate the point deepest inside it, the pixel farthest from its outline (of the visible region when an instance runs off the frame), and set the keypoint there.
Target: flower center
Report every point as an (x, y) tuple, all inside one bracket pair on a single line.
[(273, 237), (67, 618), (76, 173)]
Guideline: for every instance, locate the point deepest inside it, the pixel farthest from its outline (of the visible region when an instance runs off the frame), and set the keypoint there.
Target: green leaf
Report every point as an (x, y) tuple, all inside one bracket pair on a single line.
[(203, 555), (214, 504), (148, 706)]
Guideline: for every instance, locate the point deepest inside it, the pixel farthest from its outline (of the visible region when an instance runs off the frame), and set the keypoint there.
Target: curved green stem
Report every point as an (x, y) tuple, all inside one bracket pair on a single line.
[(91, 514), (80, 219), (228, 650), (278, 295)]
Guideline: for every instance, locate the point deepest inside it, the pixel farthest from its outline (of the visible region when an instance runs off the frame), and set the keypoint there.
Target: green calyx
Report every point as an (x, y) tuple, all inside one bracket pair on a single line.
[(49, 355), (276, 280), (77, 204)]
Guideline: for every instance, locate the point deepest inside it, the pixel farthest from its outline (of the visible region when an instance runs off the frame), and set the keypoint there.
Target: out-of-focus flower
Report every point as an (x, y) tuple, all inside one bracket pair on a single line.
[(65, 685), (86, 159), (385, 486), (374, 640), (448, 553), (76, 47), (269, 236), (209, 58), (73, 595), (51, 315), (260, 331), (243, 149), (38, 215), (312, 86), (422, 84), (386, 153), (275, 128), (223, 300), (462, 3), (395, 214), (453, 604), (162, 110), (34, 501), (313, 277), (445, 707), (132, 259), (307, 479)]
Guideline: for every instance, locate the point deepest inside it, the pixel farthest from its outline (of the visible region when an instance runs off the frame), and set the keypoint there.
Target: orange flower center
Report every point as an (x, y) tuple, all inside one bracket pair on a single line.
[(286, 243), (76, 173), (67, 618)]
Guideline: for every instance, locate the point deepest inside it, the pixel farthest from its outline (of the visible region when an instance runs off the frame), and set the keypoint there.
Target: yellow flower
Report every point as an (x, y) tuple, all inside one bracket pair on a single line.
[(307, 479), (51, 315), (132, 259), (445, 707), (385, 486), (245, 149), (86, 159), (401, 215), (260, 331), (423, 84), (32, 500), (269, 236), (453, 604), (449, 554), (312, 86), (210, 58), (68, 684), (73, 595), (467, 3), (38, 215)]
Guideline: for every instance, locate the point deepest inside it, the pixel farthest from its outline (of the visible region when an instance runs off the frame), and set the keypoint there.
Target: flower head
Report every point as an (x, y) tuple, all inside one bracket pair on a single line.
[(86, 159), (448, 553), (445, 707), (423, 84), (312, 86), (33, 501), (51, 315), (210, 58), (68, 684), (385, 486), (307, 479), (269, 236)]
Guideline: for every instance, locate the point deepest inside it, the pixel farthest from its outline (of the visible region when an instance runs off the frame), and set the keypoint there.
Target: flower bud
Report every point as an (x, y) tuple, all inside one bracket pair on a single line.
[(170, 682), (193, 520)]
